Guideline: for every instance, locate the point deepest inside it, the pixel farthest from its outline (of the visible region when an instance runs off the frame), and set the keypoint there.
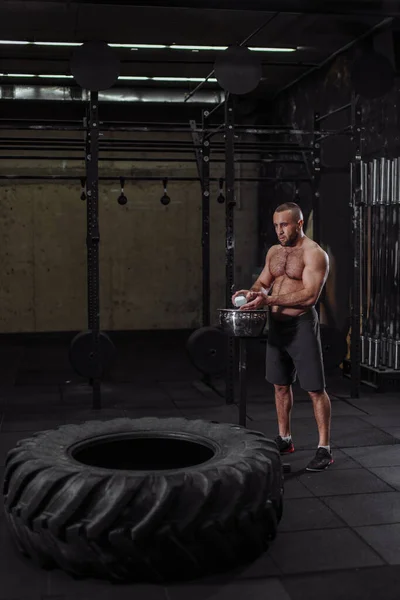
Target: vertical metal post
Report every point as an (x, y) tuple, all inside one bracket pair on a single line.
[(356, 205), (202, 152), (205, 234), (230, 235), (92, 240), (86, 122), (197, 143), (316, 184), (242, 382), (316, 179)]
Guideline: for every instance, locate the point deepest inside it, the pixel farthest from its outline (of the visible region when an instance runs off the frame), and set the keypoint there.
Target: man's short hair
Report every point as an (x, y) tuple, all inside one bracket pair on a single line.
[(294, 209)]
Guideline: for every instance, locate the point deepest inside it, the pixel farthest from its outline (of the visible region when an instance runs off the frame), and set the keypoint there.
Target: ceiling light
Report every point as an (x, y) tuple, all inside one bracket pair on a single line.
[(148, 46), (273, 49), (136, 46), (212, 79), (56, 76), (133, 78), (254, 49), (179, 47), (170, 78), (57, 43), (14, 42), (181, 79), (124, 77)]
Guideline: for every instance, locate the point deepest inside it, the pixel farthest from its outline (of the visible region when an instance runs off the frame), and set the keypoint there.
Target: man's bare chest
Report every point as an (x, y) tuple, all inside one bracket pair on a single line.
[(287, 262)]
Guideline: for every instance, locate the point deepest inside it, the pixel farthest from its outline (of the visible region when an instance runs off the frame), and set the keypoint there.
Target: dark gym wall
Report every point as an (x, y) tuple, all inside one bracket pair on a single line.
[(150, 255), (324, 91)]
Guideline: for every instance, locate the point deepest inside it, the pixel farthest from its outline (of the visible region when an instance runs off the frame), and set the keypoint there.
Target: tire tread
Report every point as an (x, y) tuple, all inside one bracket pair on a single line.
[(121, 527)]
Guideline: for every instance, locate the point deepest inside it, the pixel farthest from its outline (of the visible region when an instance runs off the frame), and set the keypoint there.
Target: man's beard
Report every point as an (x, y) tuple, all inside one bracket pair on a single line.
[(291, 241)]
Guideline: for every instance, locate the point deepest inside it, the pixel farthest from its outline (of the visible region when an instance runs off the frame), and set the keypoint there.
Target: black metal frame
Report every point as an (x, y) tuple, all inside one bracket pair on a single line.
[(93, 239), (316, 180), (205, 225), (375, 331), (202, 147), (230, 236), (314, 7), (230, 129), (142, 127), (316, 183), (319, 168), (78, 176), (356, 206), (129, 160)]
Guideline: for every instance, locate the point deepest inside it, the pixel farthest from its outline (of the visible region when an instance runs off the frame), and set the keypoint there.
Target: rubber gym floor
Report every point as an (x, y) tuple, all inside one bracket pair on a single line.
[(340, 532)]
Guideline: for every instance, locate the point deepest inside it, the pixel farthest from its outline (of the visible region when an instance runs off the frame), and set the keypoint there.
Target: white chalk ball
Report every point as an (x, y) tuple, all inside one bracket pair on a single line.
[(240, 301)]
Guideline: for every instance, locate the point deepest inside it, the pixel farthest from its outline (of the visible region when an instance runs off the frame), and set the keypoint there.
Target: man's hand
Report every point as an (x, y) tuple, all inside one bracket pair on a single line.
[(262, 285), (249, 295), (260, 299)]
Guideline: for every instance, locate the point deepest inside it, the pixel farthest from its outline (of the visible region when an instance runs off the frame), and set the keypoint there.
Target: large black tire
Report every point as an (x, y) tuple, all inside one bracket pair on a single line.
[(195, 497)]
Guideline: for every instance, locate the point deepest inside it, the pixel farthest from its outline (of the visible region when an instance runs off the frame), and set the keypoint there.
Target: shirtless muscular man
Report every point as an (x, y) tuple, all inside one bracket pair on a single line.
[(296, 269)]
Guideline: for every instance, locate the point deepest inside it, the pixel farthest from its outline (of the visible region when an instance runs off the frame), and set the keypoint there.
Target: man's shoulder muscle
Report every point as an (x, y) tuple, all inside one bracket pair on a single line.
[(315, 254)]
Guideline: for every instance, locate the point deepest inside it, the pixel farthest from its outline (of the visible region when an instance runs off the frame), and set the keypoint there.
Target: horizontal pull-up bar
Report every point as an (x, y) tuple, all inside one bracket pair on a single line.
[(128, 141), (78, 178), (216, 151), (211, 130), (146, 124), (159, 159), (146, 146)]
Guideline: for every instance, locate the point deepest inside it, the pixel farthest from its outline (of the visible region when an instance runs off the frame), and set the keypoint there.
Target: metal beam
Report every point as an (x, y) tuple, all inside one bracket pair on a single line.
[(92, 240), (41, 63), (356, 204), (295, 7), (205, 227), (229, 125), (332, 57), (79, 176)]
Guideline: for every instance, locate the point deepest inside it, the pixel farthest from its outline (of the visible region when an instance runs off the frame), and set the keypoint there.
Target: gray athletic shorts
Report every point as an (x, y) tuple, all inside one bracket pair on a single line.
[(294, 349)]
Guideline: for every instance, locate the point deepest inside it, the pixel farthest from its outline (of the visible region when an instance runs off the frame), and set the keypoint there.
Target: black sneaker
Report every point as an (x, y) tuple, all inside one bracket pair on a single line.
[(321, 460), (283, 446)]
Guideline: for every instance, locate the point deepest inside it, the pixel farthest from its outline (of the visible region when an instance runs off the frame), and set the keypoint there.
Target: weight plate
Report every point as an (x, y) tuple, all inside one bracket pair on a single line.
[(334, 347), (81, 354), (238, 70), (95, 66), (372, 75), (208, 350)]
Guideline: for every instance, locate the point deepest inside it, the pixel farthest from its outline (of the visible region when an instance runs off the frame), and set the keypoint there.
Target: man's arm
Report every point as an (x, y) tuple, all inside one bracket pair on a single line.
[(316, 269), (265, 280)]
